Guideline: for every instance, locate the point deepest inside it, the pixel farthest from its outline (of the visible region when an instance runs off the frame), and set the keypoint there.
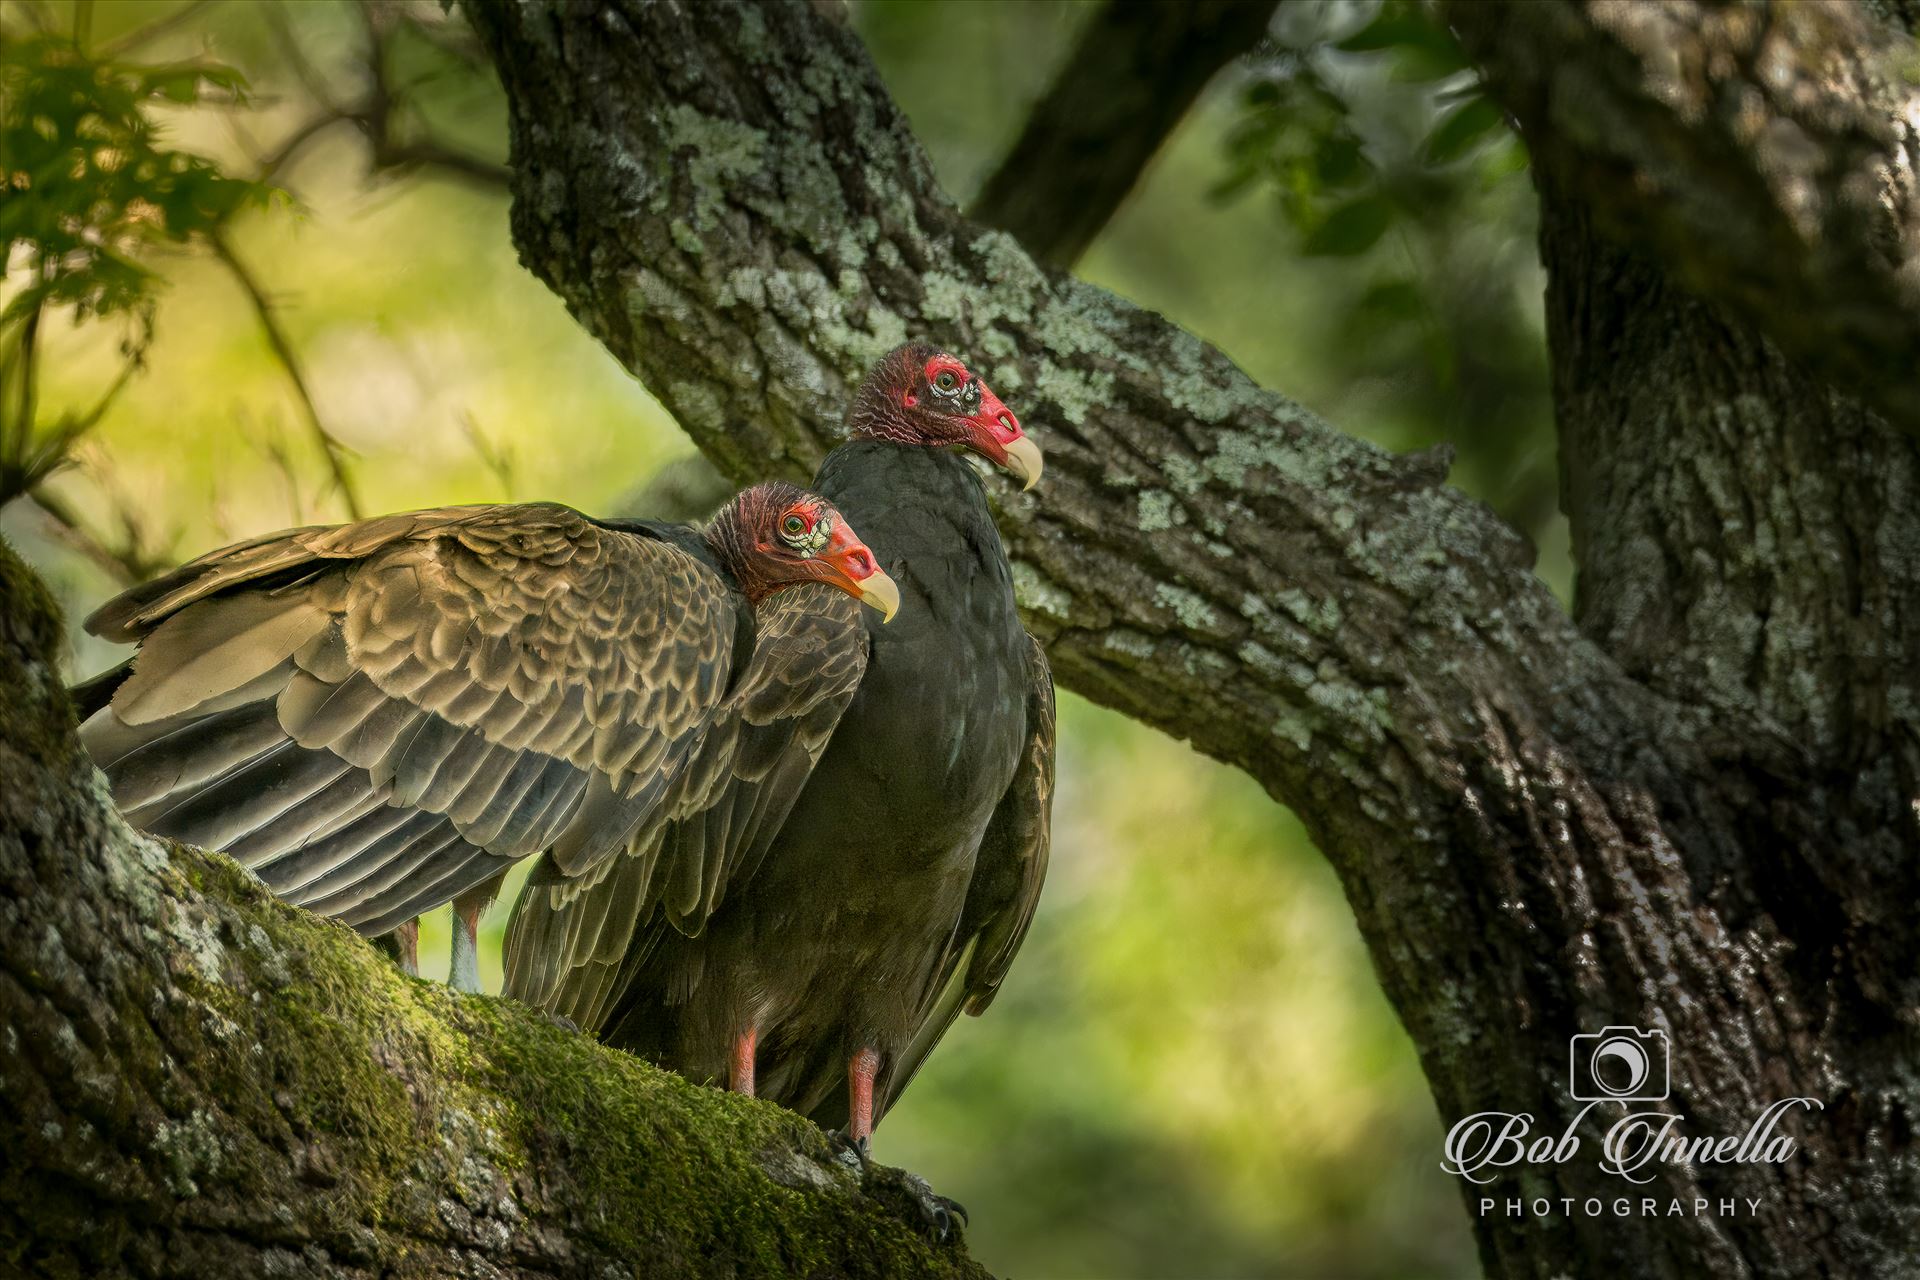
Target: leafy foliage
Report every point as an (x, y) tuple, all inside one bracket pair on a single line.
[(1378, 145), (89, 184), (88, 189), (1342, 183)]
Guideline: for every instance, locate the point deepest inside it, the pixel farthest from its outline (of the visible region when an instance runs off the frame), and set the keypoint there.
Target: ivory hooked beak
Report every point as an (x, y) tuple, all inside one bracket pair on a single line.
[(880, 591), (1024, 461)]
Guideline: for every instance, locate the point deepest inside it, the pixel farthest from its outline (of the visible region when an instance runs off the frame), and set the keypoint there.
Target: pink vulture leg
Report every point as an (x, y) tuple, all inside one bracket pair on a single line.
[(941, 1212), (740, 1068), (860, 1072), (406, 941), (463, 974)]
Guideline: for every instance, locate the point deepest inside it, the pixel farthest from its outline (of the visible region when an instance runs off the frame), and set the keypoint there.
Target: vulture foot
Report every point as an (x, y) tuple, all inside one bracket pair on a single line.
[(942, 1217), (855, 1153), (402, 946), (463, 974)]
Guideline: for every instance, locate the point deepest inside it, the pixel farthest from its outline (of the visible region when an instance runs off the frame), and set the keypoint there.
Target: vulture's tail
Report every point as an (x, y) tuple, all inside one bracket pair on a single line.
[(568, 939)]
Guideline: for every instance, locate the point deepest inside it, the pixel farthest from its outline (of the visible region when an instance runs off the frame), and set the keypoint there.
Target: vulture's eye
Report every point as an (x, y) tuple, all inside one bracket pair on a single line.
[(946, 380), (793, 526)]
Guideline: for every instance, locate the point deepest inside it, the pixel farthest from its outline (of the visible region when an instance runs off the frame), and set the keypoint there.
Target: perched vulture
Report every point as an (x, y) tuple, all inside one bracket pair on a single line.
[(901, 883), (378, 717)]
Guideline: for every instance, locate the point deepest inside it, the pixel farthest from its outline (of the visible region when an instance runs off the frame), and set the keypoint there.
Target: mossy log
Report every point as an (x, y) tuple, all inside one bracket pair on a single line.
[(197, 1080)]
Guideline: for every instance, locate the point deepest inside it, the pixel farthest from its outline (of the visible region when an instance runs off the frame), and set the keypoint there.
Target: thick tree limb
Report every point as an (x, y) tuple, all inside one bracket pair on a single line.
[(1767, 153), (197, 1080), (1538, 839), (747, 224), (1137, 68)]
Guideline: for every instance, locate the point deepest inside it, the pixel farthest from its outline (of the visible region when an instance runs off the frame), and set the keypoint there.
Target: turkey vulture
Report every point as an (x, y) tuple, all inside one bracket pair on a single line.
[(901, 883), (379, 716)]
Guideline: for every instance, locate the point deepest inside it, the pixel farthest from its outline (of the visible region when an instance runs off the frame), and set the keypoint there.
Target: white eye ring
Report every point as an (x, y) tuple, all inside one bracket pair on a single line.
[(808, 542)]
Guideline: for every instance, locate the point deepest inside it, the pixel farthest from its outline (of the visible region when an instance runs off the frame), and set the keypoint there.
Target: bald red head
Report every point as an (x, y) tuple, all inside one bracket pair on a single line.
[(919, 394), (777, 535)]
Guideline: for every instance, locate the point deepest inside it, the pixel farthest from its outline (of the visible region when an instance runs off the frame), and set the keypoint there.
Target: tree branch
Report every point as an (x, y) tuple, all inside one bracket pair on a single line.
[(1205, 555), (332, 451), (197, 1080), (1766, 154), (1137, 68), (376, 113), (1536, 843), (476, 171), (128, 561), (130, 41)]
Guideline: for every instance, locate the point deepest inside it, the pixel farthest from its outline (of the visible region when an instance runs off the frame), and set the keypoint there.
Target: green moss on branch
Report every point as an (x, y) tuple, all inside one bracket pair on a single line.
[(196, 1079)]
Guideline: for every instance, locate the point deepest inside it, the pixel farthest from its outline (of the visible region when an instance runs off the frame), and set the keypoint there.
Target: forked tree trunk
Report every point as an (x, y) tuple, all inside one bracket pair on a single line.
[(1691, 808)]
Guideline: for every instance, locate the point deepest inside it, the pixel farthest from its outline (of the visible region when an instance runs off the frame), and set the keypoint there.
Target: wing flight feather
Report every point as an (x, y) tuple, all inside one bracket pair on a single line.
[(505, 678), (573, 933)]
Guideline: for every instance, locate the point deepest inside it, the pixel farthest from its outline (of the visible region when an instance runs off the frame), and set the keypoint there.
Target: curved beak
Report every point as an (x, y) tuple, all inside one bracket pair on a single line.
[(1024, 461), (997, 436), (855, 570), (880, 591)]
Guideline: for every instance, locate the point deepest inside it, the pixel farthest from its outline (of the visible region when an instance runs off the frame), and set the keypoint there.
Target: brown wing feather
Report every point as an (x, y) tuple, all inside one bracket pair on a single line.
[(1008, 874), (571, 938), (521, 675)]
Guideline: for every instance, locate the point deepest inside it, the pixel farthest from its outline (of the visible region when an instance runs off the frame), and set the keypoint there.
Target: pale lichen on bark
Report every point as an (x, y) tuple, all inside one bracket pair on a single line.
[(1539, 834), (1690, 811)]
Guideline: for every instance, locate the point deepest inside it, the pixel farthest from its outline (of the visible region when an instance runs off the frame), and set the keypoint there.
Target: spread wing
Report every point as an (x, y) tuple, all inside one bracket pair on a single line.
[(1008, 873), (570, 936), (378, 716)]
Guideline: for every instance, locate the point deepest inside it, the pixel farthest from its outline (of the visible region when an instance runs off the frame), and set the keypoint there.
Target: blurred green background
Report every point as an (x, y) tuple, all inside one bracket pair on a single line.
[(1192, 1071)]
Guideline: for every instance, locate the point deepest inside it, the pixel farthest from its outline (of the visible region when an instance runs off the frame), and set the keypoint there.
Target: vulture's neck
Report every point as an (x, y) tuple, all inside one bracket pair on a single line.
[(924, 513)]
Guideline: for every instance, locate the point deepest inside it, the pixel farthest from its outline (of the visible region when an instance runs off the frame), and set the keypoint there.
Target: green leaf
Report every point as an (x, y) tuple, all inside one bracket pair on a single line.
[(186, 82), (1233, 185), (1352, 228), (1420, 65), (1392, 300), (88, 188), (1422, 48), (1339, 162), (1393, 27), (1460, 129)]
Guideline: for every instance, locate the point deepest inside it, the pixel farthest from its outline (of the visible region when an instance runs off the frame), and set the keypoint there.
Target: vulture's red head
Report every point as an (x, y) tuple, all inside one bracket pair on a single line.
[(918, 394), (778, 535)]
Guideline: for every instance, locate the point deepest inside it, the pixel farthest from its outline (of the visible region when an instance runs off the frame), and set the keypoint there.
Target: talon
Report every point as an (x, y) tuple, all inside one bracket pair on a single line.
[(938, 1210), (855, 1153)]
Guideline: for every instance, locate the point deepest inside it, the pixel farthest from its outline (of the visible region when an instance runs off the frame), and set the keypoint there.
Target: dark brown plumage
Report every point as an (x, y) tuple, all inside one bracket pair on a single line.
[(899, 887), (378, 717)]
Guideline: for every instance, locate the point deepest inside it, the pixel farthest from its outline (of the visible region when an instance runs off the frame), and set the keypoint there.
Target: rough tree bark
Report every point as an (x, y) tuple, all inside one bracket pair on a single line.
[(199, 1081), (1136, 69), (1768, 154), (1690, 808)]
